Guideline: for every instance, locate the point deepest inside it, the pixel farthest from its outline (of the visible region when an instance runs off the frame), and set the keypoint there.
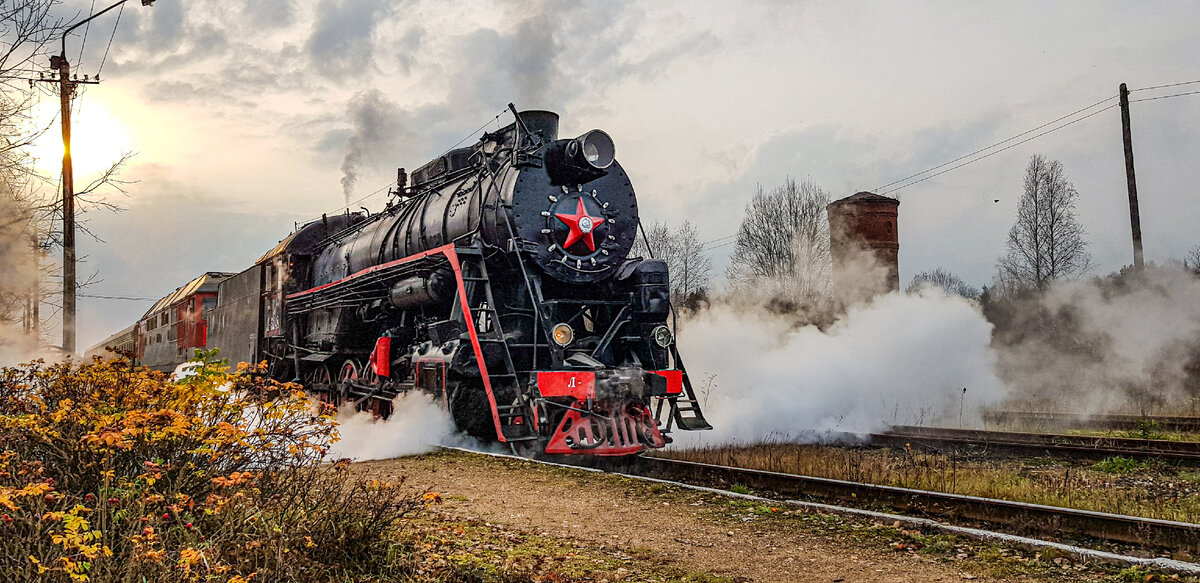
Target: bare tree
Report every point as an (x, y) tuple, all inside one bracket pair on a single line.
[(693, 269), (783, 242), (938, 277), (1046, 241), (652, 240), (29, 201), (27, 28), (690, 268)]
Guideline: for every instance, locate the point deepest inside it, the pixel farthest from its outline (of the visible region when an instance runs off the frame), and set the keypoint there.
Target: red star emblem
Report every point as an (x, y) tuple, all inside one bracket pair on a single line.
[(581, 224)]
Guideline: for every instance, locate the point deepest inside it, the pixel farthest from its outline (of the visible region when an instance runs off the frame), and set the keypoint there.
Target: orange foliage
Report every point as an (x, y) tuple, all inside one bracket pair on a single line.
[(115, 473)]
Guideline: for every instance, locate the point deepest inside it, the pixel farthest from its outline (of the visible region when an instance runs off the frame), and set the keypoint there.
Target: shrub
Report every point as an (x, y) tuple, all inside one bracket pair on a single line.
[(115, 473)]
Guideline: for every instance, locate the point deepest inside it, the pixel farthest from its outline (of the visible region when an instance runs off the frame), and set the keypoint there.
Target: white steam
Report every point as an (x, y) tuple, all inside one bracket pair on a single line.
[(901, 359), (1130, 345), (417, 425)]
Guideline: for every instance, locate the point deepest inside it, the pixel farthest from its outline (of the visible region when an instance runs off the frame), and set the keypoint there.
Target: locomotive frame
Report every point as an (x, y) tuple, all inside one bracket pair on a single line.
[(499, 282)]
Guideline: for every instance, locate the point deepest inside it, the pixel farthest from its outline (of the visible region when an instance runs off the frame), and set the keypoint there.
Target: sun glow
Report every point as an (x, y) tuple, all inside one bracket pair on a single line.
[(97, 139)]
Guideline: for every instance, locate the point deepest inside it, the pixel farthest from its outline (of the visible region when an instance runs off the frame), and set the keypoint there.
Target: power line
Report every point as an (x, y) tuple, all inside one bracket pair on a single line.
[(1164, 96), (86, 27), (881, 190), (1164, 86), (704, 246), (469, 134), (110, 40), (727, 243), (705, 243), (354, 202), (1000, 143), (990, 154), (131, 298)]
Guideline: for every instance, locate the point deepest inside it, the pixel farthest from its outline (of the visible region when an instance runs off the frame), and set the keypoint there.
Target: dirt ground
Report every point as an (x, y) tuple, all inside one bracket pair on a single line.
[(694, 531)]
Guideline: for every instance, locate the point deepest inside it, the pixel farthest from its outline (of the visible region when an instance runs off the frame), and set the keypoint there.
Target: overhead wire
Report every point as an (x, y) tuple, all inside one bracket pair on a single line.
[(971, 159), (1164, 86), (981, 150), (904, 182), (706, 244), (87, 26), (103, 297), (473, 132), (990, 154), (1164, 96), (120, 11), (725, 244)]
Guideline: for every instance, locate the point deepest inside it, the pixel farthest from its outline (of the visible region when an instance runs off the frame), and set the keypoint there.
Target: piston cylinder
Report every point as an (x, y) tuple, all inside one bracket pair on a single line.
[(422, 290)]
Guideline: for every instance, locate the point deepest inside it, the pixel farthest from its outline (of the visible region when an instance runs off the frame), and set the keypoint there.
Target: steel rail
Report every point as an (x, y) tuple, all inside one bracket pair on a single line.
[(1021, 516), (1060, 420), (1073, 446)]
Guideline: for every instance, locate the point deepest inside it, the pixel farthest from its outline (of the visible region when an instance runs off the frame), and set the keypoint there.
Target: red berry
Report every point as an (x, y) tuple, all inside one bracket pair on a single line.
[(49, 497), (89, 497), (166, 516), (188, 525), (7, 519), (114, 501)]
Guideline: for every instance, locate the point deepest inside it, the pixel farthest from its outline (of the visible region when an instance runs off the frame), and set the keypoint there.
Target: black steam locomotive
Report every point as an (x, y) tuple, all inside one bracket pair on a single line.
[(499, 281)]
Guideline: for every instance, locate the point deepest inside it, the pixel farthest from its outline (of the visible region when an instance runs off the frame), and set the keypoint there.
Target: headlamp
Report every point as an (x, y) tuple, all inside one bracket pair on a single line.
[(662, 336), (597, 149), (563, 334)]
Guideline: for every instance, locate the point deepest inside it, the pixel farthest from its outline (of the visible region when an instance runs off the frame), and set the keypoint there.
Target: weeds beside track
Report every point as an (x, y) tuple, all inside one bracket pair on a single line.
[(1035, 444)]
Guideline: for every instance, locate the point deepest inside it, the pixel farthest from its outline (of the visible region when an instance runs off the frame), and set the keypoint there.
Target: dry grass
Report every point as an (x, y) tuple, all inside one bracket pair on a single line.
[(1141, 489)]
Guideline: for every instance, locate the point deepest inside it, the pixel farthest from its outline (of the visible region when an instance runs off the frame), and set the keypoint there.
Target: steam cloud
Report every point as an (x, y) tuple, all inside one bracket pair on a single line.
[(376, 126), (417, 425), (18, 263), (900, 359), (1095, 346)]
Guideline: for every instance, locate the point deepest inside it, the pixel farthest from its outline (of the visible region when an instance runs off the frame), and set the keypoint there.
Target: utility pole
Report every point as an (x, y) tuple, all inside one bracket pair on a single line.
[(1135, 220), (66, 89)]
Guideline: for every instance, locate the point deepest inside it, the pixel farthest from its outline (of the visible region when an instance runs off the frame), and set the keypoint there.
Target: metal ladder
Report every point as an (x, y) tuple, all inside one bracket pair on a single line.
[(685, 403), (475, 272)]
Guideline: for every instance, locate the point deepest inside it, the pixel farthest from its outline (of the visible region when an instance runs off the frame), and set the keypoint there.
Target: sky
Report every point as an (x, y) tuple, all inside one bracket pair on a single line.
[(249, 116)]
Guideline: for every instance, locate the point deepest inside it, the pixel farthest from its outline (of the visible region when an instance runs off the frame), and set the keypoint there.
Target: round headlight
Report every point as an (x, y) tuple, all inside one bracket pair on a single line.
[(598, 149), (662, 336), (563, 334)]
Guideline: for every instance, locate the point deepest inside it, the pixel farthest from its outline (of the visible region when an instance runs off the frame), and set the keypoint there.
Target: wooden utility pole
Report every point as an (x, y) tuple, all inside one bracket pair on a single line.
[(1135, 220), (66, 87)]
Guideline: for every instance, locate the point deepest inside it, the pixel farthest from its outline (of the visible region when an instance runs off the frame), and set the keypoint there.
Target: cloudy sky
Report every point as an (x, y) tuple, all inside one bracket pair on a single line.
[(248, 116)]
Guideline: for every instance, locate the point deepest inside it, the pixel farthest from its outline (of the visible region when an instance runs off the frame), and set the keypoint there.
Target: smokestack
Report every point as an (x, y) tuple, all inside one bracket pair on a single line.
[(865, 245)]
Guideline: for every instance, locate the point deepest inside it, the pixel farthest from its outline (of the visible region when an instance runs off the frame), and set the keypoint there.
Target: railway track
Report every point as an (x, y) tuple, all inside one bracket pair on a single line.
[(1060, 421), (1017, 517), (1070, 446), (926, 509)]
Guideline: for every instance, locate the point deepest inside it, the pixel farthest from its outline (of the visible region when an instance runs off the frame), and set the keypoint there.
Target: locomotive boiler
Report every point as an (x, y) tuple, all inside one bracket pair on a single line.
[(499, 281)]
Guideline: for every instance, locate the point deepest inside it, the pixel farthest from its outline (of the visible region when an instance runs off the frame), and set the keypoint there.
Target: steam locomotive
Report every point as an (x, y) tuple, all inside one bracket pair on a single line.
[(499, 281)]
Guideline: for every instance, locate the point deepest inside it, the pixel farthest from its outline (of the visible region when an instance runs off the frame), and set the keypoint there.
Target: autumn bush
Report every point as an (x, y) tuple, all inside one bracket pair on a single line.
[(114, 473)]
